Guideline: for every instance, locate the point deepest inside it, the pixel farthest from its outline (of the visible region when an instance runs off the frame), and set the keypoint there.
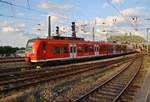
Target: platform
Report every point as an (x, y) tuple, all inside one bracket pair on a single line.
[(144, 93)]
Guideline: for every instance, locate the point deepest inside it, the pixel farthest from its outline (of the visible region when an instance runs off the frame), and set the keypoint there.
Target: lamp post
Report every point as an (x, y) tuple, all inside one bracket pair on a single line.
[(147, 31)]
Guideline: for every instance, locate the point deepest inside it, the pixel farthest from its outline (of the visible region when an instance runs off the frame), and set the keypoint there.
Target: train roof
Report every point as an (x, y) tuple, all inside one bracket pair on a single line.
[(70, 39)]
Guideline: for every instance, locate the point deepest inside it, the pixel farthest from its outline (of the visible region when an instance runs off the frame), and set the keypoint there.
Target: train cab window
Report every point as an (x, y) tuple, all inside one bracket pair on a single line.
[(65, 50), (56, 50), (29, 45)]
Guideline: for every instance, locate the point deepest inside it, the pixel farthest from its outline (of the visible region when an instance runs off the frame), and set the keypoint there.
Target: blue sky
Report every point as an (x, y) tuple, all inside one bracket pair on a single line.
[(27, 19)]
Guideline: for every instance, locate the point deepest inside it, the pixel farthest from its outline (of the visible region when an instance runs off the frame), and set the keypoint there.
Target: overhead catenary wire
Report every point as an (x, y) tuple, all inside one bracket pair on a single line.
[(23, 7), (12, 9), (12, 5), (28, 3), (23, 18)]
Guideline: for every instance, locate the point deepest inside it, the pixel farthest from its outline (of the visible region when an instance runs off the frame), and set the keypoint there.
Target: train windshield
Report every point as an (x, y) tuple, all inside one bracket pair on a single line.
[(29, 45)]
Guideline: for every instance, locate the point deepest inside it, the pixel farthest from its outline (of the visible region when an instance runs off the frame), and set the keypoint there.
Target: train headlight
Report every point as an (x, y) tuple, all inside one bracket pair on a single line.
[(33, 51)]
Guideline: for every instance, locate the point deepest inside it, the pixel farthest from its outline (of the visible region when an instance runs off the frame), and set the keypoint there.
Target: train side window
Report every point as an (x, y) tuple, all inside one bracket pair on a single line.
[(79, 49), (85, 49), (44, 46), (94, 49), (56, 50), (98, 48), (91, 49), (65, 50)]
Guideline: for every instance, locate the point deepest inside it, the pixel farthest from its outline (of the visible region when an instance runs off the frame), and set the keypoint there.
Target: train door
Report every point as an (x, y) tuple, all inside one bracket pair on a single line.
[(114, 49), (96, 48), (73, 51)]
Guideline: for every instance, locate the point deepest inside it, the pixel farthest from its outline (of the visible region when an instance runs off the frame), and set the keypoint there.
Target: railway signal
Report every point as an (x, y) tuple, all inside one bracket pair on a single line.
[(57, 30), (73, 30)]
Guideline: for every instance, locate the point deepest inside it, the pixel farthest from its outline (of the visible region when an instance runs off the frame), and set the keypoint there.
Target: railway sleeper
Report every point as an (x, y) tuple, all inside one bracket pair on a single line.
[(110, 90), (99, 98), (114, 87), (106, 94), (116, 83), (125, 99), (90, 99), (127, 96), (131, 93)]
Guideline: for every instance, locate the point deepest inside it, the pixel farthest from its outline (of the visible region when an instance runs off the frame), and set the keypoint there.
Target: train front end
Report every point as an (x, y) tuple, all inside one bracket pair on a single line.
[(30, 51)]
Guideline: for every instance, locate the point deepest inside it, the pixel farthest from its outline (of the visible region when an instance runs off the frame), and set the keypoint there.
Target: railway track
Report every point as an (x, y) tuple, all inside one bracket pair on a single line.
[(24, 66), (7, 67), (112, 89), (8, 60), (16, 80)]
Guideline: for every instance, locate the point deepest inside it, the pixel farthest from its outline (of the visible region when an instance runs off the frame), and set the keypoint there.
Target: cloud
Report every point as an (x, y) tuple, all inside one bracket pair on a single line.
[(113, 25), (11, 27), (13, 39), (59, 18), (20, 14), (105, 5), (13, 34), (138, 11), (48, 5), (8, 29), (109, 21), (117, 1)]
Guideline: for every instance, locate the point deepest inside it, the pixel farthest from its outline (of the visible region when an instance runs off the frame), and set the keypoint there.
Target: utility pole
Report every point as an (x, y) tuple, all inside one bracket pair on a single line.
[(93, 30), (49, 26)]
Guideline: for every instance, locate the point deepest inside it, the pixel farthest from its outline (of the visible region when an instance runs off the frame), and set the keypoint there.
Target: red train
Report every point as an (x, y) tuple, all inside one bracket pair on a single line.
[(66, 48)]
